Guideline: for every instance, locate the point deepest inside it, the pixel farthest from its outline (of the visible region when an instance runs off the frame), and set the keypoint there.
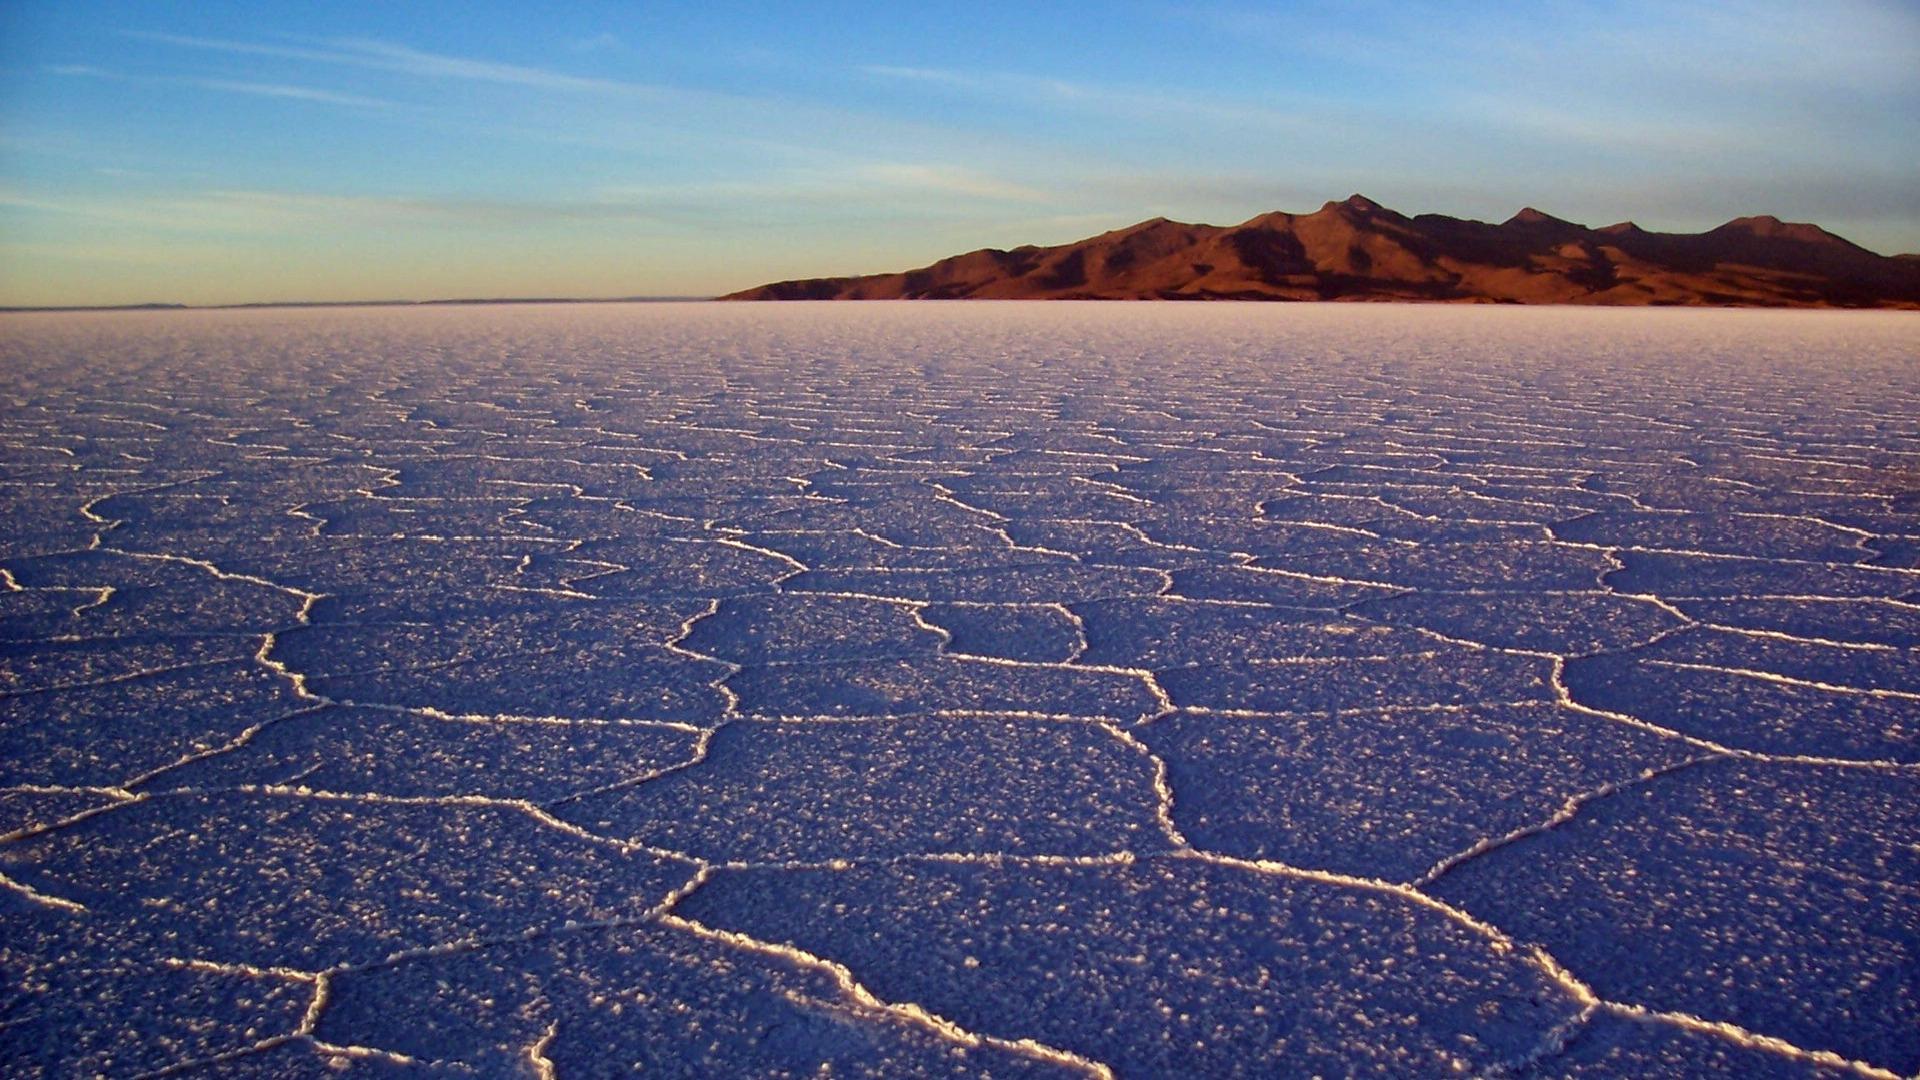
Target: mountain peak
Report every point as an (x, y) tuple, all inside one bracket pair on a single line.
[(1357, 203), (1529, 216), (1772, 228)]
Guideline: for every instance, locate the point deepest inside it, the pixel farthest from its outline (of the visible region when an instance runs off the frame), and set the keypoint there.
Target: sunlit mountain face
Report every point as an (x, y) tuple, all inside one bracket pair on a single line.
[(1357, 249)]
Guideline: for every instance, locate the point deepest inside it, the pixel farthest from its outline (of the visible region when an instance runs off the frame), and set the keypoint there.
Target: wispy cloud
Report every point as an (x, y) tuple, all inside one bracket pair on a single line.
[(951, 179), (1732, 62), (601, 42), (245, 212), (616, 113), (226, 86), (296, 93), (985, 81), (28, 253), (1599, 127), (156, 214), (400, 59), (308, 207), (867, 187), (1157, 104)]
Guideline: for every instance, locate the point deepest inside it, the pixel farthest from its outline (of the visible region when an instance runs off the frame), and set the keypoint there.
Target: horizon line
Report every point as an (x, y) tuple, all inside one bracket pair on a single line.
[(162, 305)]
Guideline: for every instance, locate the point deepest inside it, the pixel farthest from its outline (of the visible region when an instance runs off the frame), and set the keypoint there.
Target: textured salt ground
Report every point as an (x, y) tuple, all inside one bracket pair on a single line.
[(980, 691), (429, 755), (641, 999), (1163, 966), (1742, 879), (865, 789), (106, 734), (1389, 795), (228, 874)]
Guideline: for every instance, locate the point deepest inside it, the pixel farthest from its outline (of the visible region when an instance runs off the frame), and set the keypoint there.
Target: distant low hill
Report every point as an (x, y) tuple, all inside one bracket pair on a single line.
[(1360, 250)]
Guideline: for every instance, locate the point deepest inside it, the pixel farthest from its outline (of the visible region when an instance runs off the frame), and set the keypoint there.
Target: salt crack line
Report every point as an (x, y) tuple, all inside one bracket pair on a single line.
[(543, 1067), (1328, 579), (1326, 526), (252, 1049), (101, 597), (533, 810), (907, 1013), (1551, 1045), (1307, 660), (374, 1053), (237, 742), (1114, 490), (1804, 598), (1811, 519), (1567, 812), (945, 494), (430, 712), (1164, 703), (780, 556), (1565, 698), (702, 747), (130, 676), (1647, 598), (910, 601), (1730, 556), (298, 680), (564, 594), (35, 896), (223, 575), (1749, 1039), (121, 793), (1440, 707), (1801, 639), (676, 644), (912, 714), (1134, 530), (303, 1032), (995, 859), (1081, 642), (1497, 940), (27, 832), (1162, 784), (1789, 680)]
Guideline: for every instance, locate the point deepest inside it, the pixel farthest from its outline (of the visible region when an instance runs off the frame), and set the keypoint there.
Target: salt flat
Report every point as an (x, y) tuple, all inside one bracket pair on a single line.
[(983, 689)]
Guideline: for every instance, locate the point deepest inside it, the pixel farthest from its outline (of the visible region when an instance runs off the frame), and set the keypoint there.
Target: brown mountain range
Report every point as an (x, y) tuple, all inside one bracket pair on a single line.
[(1359, 250)]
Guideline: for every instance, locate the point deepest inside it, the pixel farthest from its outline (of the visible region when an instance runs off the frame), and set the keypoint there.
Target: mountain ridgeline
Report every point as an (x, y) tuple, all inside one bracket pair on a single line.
[(1360, 250)]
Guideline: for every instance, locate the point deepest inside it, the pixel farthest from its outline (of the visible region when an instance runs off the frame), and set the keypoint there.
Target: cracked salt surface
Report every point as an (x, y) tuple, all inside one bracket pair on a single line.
[(979, 690)]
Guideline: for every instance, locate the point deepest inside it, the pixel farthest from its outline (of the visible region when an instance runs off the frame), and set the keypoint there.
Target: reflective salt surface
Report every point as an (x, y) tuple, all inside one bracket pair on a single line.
[(960, 690)]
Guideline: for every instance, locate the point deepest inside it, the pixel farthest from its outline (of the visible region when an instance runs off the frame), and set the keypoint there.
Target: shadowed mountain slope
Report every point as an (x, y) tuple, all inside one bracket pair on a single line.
[(1360, 250)]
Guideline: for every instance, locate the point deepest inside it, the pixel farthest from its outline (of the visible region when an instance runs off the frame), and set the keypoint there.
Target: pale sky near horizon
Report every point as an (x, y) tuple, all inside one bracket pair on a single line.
[(221, 152)]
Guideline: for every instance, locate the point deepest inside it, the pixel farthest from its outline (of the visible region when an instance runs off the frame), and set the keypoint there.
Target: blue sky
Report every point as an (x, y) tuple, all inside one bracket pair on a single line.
[(214, 152)]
